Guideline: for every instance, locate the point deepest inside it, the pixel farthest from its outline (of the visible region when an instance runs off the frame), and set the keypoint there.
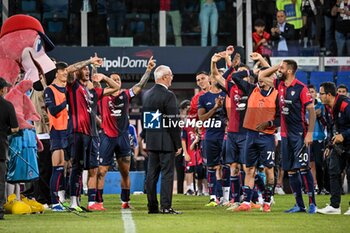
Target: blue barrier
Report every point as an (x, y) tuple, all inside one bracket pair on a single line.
[(112, 182)]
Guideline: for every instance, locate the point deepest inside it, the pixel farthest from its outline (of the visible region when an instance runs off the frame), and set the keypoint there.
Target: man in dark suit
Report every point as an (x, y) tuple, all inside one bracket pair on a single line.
[(162, 142), (283, 35)]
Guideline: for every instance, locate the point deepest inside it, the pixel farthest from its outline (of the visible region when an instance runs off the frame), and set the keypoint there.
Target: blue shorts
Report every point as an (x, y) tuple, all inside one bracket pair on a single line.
[(260, 149), (58, 140), (120, 146), (81, 150), (294, 154), (235, 148), (58, 144), (95, 152), (212, 148)]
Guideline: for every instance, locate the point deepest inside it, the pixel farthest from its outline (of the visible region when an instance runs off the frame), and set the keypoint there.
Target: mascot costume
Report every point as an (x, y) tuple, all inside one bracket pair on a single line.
[(23, 63)]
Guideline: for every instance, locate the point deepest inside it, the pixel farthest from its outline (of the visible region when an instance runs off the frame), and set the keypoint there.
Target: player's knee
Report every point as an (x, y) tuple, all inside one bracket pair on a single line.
[(102, 171)]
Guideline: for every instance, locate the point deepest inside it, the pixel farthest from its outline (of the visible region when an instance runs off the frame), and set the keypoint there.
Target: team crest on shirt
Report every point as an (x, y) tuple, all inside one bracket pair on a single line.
[(292, 93), (121, 97)]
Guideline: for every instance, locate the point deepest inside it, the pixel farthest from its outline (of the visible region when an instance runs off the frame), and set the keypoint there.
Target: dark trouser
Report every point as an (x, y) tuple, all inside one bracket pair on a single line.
[(337, 164), (3, 170), (42, 187), (317, 149), (160, 162), (180, 172)]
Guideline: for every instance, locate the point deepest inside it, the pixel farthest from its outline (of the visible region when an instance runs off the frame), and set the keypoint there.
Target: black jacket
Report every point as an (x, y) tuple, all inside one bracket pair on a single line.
[(161, 139), (288, 34)]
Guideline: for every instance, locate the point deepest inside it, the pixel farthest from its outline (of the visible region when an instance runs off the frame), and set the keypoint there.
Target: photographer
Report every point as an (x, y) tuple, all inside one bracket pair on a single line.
[(338, 149)]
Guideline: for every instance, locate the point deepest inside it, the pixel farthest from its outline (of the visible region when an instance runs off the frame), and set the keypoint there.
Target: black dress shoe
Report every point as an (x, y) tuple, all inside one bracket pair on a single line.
[(170, 211), (156, 211)]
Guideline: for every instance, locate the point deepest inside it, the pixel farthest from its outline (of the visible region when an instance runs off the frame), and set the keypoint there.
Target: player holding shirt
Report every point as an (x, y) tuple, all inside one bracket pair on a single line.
[(209, 107), (80, 110), (294, 100), (114, 111)]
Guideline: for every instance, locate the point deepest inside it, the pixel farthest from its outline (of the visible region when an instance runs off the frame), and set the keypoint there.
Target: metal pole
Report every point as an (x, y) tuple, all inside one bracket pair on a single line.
[(162, 28), (5, 10), (239, 22), (84, 23), (248, 32)]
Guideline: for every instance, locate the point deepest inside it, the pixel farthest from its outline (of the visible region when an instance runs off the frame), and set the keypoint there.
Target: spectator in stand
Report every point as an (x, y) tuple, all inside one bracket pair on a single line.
[(261, 38), (329, 23), (342, 90), (293, 13), (308, 11), (172, 10), (342, 27), (282, 34), (209, 15)]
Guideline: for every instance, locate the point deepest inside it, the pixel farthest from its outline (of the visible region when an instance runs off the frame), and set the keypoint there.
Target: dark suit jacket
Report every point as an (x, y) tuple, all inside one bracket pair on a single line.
[(167, 139), (288, 34)]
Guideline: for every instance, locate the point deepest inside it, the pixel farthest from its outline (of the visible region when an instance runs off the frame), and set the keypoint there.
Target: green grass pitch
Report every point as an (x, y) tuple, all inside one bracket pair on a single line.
[(195, 218)]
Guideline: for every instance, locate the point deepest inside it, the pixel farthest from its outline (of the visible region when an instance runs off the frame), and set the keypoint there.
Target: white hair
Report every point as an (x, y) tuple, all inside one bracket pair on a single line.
[(161, 71)]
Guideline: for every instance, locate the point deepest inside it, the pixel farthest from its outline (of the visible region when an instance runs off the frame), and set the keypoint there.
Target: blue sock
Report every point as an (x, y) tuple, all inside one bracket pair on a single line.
[(308, 181), (255, 195), (295, 184), (92, 195), (247, 192), (99, 195), (75, 183), (235, 188), (242, 178), (226, 176), (212, 181), (267, 193), (259, 183), (55, 181), (125, 195), (219, 192)]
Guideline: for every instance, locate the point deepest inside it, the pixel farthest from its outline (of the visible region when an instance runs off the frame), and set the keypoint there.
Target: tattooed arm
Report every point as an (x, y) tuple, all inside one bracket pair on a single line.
[(96, 61), (138, 87)]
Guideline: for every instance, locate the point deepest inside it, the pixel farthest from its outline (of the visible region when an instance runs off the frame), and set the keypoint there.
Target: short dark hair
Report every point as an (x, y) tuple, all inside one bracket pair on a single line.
[(343, 86), (311, 86), (202, 72), (259, 23), (329, 87), (61, 65), (291, 64), (284, 12)]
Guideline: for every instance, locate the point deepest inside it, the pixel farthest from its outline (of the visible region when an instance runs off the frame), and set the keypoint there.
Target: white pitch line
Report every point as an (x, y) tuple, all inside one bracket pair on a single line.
[(129, 224)]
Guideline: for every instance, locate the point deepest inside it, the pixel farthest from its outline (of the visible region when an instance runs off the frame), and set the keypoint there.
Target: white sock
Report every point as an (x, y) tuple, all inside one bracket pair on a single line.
[(73, 201), (62, 195), (226, 193), (190, 186), (91, 203), (213, 197)]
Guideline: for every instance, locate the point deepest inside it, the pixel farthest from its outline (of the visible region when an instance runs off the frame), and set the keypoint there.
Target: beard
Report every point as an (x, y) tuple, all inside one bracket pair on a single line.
[(281, 76)]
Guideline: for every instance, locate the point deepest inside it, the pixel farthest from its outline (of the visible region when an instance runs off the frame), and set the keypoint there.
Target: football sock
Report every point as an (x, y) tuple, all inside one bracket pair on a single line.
[(212, 181), (56, 177), (125, 195), (219, 190), (235, 188), (295, 184), (91, 195), (308, 181), (99, 195), (247, 192)]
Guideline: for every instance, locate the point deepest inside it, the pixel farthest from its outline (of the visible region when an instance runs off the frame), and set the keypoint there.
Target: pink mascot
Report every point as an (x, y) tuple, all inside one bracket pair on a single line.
[(23, 61)]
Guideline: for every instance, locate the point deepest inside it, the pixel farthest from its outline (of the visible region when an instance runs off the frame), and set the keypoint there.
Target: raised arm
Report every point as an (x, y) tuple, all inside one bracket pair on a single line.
[(138, 86), (214, 70), (112, 86), (96, 61), (265, 75), (257, 57), (203, 115)]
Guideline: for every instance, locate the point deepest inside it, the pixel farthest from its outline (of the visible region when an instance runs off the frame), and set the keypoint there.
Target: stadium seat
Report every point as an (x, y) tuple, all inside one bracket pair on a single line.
[(302, 76), (318, 77), (343, 77)]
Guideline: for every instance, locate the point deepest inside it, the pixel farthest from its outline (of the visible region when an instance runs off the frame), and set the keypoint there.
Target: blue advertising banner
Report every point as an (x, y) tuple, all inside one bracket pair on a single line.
[(133, 60)]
